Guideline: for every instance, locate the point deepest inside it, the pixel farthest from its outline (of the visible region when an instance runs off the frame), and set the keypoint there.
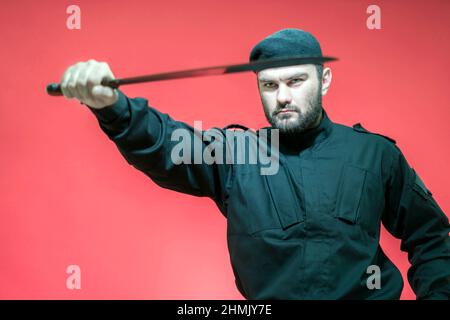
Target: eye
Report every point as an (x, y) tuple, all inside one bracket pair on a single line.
[(269, 85), (295, 80)]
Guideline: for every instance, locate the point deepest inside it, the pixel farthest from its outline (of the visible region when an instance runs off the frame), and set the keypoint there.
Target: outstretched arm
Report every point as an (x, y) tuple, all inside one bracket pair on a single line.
[(147, 138)]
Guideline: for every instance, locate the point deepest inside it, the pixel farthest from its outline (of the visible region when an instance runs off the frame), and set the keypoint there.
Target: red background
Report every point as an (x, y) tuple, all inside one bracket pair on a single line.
[(68, 197)]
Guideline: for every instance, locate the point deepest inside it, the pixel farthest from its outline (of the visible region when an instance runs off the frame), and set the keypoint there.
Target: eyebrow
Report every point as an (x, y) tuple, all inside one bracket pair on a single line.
[(295, 75)]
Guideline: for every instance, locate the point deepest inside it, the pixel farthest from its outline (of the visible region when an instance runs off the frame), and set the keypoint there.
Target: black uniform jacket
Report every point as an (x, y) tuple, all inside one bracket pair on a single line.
[(310, 231)]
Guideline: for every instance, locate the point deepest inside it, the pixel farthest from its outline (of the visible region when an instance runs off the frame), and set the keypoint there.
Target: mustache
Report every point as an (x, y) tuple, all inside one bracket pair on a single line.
[(287, 107)]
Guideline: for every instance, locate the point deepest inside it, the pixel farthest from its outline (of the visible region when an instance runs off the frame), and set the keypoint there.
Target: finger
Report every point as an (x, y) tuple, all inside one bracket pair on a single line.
[(84, 81), (106, 70), (104, 73), (64, 82), (94, 79), (103, 94), (110, 73), (72, 84)]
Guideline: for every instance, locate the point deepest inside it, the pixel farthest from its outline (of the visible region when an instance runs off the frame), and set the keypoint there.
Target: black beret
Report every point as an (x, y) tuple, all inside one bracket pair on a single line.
[(286, 43)]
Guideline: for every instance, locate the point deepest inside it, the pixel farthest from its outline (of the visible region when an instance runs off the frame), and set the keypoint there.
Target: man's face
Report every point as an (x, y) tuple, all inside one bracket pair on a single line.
[(291, 96)]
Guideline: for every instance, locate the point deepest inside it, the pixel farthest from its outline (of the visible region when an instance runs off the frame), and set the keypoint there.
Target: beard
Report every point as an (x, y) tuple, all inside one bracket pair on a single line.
[(304, 118)]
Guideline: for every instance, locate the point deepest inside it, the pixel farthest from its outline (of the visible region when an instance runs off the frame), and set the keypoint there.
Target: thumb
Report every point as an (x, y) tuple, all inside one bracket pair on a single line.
[(100, 91)]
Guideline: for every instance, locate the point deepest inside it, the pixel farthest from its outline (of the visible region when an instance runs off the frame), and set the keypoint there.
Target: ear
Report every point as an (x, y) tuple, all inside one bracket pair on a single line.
[(326, 80)]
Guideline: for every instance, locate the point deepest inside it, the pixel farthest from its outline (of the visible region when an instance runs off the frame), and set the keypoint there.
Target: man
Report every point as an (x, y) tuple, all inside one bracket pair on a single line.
[(310, 231)]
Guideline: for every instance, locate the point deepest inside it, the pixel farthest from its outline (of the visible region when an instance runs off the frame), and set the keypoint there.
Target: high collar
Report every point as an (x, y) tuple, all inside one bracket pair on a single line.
[(311, 137)]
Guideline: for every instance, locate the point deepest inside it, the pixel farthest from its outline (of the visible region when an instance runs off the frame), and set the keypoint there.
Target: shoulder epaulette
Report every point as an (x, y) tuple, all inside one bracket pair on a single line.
[(358, 127)]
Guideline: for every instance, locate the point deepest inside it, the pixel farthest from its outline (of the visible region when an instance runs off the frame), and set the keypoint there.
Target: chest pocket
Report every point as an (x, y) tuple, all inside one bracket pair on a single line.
[(263, 202), (284, 198), (360, 199)]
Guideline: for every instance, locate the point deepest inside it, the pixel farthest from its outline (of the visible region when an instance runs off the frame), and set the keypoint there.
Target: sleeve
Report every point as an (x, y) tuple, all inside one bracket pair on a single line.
[(171, 153), (413, 216)]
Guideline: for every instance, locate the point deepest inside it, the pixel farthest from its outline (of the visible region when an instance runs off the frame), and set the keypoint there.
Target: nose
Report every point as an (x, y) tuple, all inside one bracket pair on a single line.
[(284, 95)]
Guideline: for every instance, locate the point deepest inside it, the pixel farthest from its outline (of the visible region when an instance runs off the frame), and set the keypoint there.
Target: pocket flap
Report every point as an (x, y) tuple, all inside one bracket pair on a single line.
[(350, 190), (284, 197)]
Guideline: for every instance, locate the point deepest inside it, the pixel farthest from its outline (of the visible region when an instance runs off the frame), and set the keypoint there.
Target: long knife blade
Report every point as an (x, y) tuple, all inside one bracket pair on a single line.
[(54, 89)]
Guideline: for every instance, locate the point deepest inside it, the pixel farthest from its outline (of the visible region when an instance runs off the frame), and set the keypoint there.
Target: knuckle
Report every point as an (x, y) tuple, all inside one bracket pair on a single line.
[(105, 66), (68, 70), (66, 74), (81, 66), (83, 75)]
